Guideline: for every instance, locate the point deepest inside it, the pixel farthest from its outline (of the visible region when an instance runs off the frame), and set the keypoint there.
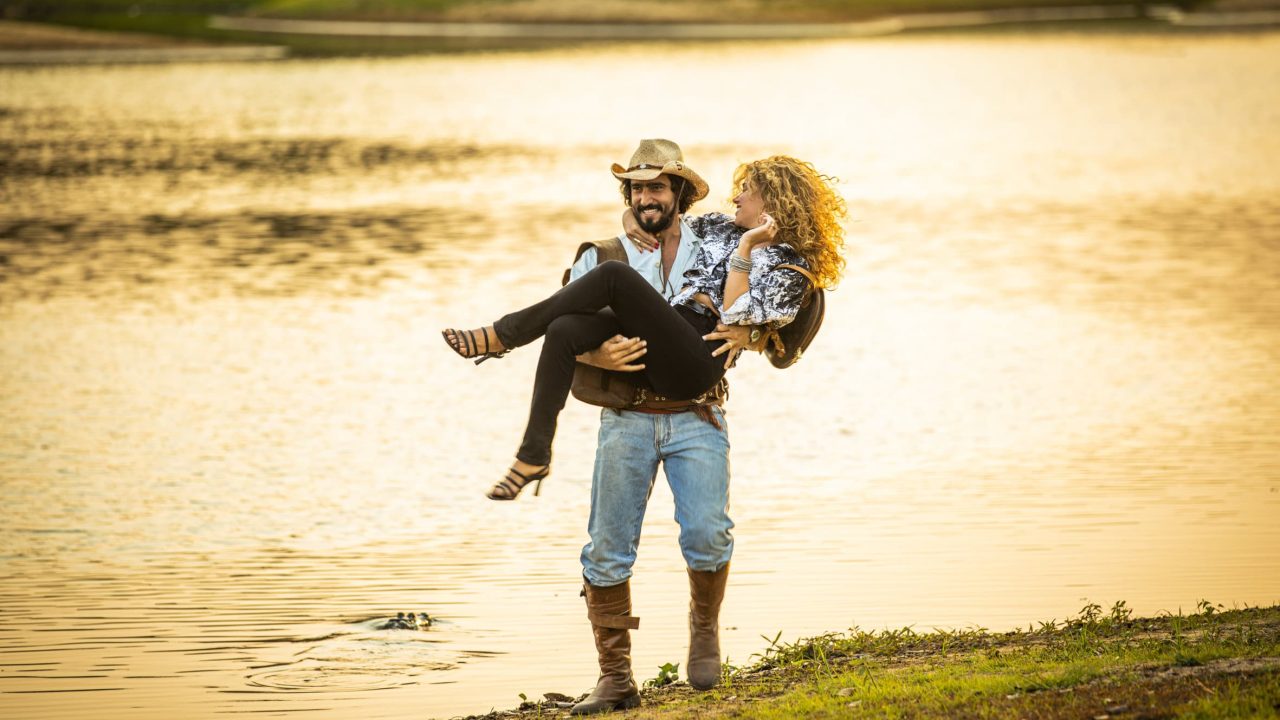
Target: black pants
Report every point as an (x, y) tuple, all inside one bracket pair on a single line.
[(612, 299)]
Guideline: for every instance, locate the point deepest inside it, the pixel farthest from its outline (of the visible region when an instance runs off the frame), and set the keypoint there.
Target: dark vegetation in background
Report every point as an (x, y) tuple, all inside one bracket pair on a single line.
[(188, 20)]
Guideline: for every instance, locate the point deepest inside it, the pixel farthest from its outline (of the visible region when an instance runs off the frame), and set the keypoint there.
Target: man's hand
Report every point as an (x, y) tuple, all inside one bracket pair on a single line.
[(736, 339), (639, 237), (617, 353)]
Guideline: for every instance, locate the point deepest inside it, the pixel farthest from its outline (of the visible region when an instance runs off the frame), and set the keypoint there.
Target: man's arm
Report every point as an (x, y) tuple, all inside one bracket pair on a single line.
[(583, 265), (617, 353)]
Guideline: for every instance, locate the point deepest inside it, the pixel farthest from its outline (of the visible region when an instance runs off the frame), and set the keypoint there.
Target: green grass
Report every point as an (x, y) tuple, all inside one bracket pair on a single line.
[(1208, 664), (1235, 699)]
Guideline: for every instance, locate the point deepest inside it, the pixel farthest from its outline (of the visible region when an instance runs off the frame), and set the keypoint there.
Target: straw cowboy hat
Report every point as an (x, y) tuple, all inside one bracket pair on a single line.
[(658, 157)]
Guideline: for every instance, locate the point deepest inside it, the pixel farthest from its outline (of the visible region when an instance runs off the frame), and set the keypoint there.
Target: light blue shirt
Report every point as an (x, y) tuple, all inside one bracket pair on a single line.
[(649, 264)]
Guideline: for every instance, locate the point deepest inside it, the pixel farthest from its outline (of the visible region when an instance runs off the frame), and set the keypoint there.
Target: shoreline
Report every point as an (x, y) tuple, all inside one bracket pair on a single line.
[(1215, 663), (875, 27), (147, 55), (25, 43), (160, 39)]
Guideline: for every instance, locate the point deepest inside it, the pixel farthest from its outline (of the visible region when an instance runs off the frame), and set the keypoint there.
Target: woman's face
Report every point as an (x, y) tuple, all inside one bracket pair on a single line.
[(750, 207)]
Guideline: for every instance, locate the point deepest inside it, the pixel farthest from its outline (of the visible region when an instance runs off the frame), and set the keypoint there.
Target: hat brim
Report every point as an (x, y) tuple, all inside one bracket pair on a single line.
[(645, 174), (700, 188)]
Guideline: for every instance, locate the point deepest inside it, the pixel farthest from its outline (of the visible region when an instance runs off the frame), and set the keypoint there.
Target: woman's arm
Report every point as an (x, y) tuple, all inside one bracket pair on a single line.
[(739, 279), (774, 294), (644, 240), (773, 304)]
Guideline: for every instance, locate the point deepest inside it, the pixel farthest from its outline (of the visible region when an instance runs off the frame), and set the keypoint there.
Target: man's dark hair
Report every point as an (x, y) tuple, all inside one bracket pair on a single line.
[(686, 191)]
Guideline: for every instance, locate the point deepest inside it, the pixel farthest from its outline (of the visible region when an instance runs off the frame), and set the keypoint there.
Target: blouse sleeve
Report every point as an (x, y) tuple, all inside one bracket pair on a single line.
[(702, 270), (773, 296), (702, 224)]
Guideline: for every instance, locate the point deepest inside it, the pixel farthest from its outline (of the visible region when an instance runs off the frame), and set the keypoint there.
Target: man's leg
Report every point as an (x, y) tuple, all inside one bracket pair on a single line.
[(696, 460), (626, 464)]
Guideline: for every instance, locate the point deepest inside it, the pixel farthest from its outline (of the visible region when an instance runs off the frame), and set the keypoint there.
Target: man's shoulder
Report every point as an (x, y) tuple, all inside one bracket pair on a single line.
[(613, 248), (598, 251)]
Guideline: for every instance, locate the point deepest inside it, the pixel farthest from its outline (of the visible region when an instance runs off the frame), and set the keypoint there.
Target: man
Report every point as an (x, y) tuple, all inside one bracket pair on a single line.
[(691, 444)]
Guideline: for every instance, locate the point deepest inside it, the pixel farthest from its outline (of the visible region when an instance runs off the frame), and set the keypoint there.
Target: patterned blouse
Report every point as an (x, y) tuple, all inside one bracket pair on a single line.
[(774, 295)]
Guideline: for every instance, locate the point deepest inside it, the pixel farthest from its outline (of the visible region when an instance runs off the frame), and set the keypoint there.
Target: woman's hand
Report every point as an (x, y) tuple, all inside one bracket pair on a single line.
[(763, 234), (638, 236), (617, 353), (738, 281)]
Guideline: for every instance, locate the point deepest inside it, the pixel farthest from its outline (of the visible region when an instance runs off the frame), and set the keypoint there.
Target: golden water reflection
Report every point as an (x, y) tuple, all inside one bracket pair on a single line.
[(232, 439)]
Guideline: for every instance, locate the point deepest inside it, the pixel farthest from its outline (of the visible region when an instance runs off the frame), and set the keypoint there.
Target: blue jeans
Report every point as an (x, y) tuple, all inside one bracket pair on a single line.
[(695, 456)]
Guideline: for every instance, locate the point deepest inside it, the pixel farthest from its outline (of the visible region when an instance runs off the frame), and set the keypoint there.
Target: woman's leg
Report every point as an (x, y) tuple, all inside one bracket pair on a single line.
[(678, 362), (578, 318), (566, 337)]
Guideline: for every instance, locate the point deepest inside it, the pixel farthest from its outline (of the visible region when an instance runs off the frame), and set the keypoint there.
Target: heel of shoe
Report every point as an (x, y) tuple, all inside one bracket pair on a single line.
[(594, 706), (515, 482), (490, 356)]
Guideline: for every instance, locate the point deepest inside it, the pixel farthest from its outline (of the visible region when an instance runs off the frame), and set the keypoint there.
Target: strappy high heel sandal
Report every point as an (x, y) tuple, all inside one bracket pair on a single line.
[(464, 343), (510, 486)]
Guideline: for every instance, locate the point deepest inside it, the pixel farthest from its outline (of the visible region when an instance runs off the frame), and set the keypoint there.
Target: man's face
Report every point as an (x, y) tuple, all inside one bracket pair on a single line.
[(653, 202)]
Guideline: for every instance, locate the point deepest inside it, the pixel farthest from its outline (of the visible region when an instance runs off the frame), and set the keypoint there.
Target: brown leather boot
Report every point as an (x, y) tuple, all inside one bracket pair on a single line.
[(706, 590), (609, 610)]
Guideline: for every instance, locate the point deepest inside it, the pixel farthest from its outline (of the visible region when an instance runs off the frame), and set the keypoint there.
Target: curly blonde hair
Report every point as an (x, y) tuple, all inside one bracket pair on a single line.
[(806, 208)]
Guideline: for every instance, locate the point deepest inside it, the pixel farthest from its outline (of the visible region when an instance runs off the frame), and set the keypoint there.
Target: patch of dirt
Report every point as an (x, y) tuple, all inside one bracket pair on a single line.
[(1236, 5), (597, 11), (610, 11), (37, 36)]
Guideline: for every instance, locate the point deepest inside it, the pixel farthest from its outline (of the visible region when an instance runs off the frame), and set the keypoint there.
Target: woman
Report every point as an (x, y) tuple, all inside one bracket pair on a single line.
[(787, 213)]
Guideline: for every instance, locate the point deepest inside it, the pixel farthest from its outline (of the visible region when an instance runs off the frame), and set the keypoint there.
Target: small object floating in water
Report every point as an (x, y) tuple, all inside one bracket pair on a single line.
[(408, 621)]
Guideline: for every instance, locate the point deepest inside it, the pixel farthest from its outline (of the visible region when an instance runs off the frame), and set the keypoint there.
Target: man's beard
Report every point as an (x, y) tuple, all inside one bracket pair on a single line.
[(656, 225)]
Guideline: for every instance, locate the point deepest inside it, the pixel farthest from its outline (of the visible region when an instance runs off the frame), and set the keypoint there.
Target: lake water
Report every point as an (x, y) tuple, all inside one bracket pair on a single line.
[(231, 438)]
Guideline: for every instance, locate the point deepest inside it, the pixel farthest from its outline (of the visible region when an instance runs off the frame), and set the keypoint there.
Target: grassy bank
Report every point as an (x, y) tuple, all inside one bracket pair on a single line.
[(1102, 663), (187, 20), (184, 28)]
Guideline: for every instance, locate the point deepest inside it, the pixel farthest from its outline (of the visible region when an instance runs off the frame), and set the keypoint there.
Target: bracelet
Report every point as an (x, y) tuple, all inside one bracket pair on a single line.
[(738, 264)]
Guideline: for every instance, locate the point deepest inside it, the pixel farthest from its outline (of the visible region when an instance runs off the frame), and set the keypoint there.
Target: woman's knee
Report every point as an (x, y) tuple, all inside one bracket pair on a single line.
[(613, 267), (616, 271)]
